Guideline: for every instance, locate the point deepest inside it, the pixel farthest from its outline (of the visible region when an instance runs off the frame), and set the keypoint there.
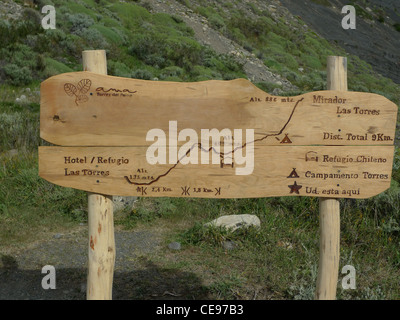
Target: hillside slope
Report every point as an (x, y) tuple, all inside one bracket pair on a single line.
[(274, 43), (375, 38)]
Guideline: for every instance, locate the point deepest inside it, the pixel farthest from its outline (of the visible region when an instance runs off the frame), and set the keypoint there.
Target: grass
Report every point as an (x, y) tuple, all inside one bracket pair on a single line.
[(280, 259)]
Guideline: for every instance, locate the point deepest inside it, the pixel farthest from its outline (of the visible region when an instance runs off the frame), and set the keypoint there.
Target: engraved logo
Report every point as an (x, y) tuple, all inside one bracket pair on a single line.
[(78, 91)]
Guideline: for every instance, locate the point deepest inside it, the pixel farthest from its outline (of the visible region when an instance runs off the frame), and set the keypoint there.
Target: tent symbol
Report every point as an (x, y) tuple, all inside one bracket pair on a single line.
[(286, 139)]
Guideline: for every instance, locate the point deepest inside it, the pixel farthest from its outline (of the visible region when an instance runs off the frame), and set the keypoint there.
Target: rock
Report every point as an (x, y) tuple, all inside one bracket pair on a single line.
[(57, 236), (234, 222), (174, 246)]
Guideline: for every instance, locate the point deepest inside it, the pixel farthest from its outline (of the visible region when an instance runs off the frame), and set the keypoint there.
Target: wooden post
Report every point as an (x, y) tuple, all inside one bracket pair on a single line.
[(100, 217), (329, 209)]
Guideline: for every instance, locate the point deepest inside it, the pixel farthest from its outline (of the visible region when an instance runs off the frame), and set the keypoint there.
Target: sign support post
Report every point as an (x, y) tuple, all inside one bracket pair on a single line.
[(101, 257), (329, 209)]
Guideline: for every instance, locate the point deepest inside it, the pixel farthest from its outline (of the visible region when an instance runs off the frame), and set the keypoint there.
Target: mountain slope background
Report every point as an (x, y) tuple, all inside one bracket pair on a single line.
[(282, 47), (376, 37)]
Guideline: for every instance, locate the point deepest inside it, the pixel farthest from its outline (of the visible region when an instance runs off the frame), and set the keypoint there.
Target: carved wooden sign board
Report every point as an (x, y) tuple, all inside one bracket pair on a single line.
[(212, 139)]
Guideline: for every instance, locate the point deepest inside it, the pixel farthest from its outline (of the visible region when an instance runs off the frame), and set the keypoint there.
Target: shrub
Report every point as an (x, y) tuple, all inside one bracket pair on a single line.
[(184, 52), (158, 51), (17, 76), (253, 29), (149, 48), (117, 68), (79, 22), (217, 22), (172, 71), (94, 38), (19, 130), (142, 74)]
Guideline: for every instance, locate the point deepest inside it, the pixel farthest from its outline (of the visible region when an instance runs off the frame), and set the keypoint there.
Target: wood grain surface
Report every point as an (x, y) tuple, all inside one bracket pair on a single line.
[(319, 171), (87, 109), (213, 139)]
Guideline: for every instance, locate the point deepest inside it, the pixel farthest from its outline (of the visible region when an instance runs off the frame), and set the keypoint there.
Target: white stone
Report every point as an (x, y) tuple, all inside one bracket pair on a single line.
[(233, 222)]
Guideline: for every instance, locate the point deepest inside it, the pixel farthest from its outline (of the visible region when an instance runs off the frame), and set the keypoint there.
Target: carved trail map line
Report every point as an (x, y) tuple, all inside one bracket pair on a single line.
[(221, 154)]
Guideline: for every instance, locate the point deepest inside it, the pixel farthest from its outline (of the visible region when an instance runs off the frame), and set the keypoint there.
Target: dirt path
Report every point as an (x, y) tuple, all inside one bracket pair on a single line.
[(136, 274)]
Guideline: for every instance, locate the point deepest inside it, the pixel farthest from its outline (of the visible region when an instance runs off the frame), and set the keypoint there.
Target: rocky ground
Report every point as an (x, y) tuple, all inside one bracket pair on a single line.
[(254, 67), (378, 43)]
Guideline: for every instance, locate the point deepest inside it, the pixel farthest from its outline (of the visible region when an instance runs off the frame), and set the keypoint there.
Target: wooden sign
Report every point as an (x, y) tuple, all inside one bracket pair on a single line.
[(213, 139)]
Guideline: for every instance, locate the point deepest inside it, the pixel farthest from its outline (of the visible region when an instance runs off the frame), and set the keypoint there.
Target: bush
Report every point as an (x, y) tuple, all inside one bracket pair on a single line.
[(160, 52), (17, 76), (119, 69), (19, 130), (142, 74), (254, 30), (172, 71), (149, 48), (79, 22), (12, 33), (94, 38), (184, 52), (217, 22)]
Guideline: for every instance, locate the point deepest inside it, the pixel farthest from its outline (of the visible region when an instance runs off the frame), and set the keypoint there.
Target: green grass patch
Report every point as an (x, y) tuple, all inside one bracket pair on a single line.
[(131, 14), (54, 67), (108, 33)]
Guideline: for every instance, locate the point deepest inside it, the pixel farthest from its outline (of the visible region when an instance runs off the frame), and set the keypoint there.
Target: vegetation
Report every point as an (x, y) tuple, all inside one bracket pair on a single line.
[(282, 255)]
